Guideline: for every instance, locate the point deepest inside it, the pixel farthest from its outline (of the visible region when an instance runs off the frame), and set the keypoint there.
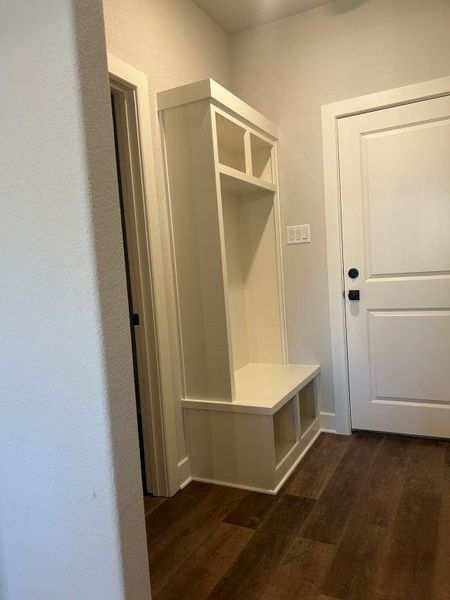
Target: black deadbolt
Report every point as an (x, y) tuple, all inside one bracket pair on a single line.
[(353, 273), (353, 294)]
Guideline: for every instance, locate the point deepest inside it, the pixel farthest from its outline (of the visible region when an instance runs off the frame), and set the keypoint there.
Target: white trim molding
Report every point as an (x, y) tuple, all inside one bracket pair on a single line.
[(163, 407), (328, 422), (184, 471), (330, 114)]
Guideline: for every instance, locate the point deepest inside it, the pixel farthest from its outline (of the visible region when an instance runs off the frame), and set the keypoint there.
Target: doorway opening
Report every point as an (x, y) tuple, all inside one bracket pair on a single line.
[(139, 283)]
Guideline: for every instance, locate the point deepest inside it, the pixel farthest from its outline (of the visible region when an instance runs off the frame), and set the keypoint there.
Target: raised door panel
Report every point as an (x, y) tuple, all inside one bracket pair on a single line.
[(406, 191), (410, 353)]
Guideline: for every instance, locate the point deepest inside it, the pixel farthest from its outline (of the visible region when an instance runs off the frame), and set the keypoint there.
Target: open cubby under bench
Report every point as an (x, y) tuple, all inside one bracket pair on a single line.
[(257, 440)]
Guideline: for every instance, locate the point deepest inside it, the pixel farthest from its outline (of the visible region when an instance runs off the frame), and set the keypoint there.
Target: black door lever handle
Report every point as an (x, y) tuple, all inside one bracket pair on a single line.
[(353, 295)]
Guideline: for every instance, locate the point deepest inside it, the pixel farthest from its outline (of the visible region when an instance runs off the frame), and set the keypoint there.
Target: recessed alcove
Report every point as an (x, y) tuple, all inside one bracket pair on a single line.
[(285, 429), (230, 143), (252, 284), (307, 407), (261, 151)]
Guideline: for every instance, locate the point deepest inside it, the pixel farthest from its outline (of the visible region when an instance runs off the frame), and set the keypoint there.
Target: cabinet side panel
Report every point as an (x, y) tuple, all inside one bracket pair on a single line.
[(232, 448), (196, 243)]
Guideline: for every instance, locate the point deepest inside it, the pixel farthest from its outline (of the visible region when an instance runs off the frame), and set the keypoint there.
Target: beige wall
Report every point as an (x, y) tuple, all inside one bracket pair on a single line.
[(287, 70), (71, 513), (174, 43)]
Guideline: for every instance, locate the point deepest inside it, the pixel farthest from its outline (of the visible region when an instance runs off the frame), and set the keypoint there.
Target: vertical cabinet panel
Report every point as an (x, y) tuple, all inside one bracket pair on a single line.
[(197, 251)]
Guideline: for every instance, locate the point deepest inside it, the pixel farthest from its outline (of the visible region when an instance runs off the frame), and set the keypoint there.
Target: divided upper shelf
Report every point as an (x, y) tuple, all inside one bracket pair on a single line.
[(219, 96), (235, 182), (243, 139)]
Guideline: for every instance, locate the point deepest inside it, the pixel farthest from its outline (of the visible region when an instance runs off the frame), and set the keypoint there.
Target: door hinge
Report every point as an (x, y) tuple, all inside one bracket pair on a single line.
[(135, 319)]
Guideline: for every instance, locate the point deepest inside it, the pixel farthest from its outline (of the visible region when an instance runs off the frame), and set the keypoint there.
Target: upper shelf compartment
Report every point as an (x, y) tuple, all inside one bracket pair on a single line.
[(262, 158), (230, 143), (241, 148)]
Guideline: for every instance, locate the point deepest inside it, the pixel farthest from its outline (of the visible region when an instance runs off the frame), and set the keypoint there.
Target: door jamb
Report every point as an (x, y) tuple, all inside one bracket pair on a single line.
[(330, 114), (151, 252)]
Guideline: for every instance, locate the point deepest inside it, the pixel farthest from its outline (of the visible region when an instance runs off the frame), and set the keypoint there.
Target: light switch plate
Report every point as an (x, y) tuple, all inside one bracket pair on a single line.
[(290, 235), (298, 234)]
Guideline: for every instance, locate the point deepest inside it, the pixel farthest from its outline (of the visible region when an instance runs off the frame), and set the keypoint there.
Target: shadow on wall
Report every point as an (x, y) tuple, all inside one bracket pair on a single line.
[(343, 6)]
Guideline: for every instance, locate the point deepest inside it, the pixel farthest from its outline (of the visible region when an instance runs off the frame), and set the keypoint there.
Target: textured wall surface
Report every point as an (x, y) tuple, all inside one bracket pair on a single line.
[(71, 514), (174, 43), (287, 70)]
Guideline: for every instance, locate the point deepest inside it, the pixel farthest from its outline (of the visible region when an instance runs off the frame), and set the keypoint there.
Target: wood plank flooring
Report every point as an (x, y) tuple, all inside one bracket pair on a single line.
[(364, 517)]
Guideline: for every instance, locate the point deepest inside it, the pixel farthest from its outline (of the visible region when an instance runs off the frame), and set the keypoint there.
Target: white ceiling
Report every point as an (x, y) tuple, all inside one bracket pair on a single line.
[(237, 15)]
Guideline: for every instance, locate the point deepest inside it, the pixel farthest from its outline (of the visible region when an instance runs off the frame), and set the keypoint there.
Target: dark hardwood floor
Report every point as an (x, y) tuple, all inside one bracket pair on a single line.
[(364, 517)]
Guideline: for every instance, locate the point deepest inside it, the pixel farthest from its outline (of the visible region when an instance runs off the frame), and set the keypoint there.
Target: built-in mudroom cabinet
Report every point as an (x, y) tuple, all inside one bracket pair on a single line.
[(249, 415)]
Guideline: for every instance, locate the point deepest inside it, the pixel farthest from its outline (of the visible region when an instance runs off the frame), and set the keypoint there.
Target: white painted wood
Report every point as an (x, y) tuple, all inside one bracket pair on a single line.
[(422, 339), (384, 222), (286, 431), (306, 444), (395, 198), (140, 285), (241, 184), (248, 460), (286, 466), (256, 459), (186, 482), (262, 389), (328, 422), (261, 157), (281, 477), (184, 471), (197, 250), (331, 113), (219, 96), (251, 262), (159, 415), (222, 186), (405, 188), (308, 407), (238, 486), (231, 143)]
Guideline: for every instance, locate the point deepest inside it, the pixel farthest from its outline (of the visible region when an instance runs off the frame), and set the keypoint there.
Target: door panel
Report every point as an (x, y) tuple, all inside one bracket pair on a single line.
[(395, 195), (406, 191), (418, 375)]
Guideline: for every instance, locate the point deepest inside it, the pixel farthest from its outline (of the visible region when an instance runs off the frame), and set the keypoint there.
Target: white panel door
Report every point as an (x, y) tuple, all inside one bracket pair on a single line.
[(395, 194)]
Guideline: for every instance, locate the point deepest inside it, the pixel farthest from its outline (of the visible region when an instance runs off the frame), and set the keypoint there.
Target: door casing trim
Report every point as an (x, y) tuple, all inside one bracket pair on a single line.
[(161, 409), (426, 90)]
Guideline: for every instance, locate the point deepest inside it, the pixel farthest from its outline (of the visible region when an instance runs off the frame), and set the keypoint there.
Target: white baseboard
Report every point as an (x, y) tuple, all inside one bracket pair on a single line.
[(234, 485), (328, 422), (186, 482), (184, 472)]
